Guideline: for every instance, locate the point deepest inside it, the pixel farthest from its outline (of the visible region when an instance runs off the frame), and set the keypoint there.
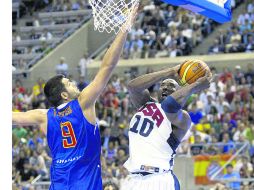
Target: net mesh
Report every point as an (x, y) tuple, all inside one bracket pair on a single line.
[(112, 15)]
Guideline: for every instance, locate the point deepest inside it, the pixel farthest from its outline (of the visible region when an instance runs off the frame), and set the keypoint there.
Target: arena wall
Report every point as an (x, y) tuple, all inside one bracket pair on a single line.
[(219, 61), (46, 67), (183, 169)]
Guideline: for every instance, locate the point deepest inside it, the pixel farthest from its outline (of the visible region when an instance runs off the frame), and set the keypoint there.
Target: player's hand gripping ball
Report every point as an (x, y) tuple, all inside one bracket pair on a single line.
[(191, 70)]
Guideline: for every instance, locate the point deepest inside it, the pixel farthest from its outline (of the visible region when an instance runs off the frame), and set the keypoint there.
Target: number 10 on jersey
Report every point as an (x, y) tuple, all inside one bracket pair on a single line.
[(146, 126)]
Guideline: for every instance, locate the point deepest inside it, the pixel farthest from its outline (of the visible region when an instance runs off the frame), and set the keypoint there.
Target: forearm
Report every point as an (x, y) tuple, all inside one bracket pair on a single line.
[(18, 117), (30, 117), (110, 60), (182, 95), (114, 52), (145, 81)]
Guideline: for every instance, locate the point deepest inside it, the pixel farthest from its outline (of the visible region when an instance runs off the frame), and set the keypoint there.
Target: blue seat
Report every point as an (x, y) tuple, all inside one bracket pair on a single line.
[(207, 8)]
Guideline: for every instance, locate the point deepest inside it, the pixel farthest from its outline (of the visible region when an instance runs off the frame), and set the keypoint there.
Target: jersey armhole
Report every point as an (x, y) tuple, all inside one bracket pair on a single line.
[(151, 100), (173, 141), (76, 104)]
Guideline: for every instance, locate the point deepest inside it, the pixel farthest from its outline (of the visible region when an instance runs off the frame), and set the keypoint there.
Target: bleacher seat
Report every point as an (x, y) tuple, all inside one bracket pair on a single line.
[(60, 14), (28, 56), (30, 42), (49, 27)]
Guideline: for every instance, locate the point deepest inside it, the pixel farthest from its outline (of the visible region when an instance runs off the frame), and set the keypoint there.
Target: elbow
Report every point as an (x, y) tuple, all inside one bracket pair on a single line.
[(131, 86), (187, 121), (182, 120), (132, 89)]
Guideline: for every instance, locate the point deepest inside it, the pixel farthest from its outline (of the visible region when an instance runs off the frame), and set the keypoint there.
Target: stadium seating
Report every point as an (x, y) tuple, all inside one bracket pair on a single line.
[(48, 27), (239, 36), (222, 116), (226, 119)]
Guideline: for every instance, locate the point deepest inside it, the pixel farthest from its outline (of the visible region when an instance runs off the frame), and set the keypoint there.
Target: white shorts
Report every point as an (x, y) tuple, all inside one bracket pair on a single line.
[(156, 181)]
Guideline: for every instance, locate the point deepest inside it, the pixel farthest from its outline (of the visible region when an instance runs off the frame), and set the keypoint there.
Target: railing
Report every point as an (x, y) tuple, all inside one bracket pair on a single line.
[(37, 185), (219, 144), (50, 15), (49, 27), (33, 42), (26, 56), (238, 152), (236, 180)]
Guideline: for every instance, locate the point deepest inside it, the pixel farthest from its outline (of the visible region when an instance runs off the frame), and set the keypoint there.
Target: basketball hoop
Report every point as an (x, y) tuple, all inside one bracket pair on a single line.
[(112, 15)]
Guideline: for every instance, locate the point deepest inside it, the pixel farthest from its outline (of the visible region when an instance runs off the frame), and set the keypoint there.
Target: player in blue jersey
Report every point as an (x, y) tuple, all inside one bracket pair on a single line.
[(70, 125)]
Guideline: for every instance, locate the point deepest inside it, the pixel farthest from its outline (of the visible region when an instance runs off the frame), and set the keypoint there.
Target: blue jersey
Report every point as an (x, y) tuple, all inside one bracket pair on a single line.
[(75, 147)]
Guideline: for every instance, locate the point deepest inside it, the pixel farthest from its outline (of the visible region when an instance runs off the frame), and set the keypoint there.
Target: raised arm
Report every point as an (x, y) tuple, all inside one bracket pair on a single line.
[(137, 87), (172, 105), (90, 94)]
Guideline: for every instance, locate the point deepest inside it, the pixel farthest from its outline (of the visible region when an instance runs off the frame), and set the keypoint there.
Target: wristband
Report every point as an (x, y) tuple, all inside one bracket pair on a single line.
[(170, 105)]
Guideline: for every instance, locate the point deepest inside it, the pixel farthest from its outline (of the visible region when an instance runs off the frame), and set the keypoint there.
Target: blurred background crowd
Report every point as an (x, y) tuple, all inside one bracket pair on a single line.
[(223, 113), (161, 30)]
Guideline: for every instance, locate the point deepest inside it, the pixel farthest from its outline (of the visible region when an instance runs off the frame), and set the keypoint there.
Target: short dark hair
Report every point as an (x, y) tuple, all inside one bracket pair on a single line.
[(53, 89), (110, 183), (229, 166)]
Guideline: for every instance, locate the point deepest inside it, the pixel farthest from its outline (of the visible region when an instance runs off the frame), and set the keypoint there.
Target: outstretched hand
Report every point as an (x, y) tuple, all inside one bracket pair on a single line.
[(130, 18), (133, 14), (207, 78), (177, 68), (204, 82)]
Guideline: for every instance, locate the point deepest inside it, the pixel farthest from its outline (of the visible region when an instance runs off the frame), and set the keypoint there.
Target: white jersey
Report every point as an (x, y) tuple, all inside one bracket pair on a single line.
[(157, 181), (151, 141)]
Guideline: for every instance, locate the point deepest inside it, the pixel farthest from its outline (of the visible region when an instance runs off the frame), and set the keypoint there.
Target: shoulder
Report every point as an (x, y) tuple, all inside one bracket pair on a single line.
[(80, 107), (150, 102), (76, 102)]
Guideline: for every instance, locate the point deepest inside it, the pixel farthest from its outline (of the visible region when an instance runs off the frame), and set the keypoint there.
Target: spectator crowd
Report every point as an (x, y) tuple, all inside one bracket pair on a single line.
[(161, 31), (42, 37), (239, 36), (221, 114), (167, 31)]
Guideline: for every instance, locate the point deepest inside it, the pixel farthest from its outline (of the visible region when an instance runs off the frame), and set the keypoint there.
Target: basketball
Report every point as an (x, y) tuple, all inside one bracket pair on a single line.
[(191, 70)]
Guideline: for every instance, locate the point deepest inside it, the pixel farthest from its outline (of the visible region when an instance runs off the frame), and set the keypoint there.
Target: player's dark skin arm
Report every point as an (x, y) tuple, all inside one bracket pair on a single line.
[(138, 86), (181, 119)]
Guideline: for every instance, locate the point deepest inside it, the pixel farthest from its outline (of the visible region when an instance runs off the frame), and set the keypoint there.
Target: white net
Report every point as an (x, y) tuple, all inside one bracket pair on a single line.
[(112, 15)]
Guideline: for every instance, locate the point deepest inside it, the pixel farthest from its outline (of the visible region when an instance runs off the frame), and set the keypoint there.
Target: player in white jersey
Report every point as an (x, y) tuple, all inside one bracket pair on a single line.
[(157, 129)]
